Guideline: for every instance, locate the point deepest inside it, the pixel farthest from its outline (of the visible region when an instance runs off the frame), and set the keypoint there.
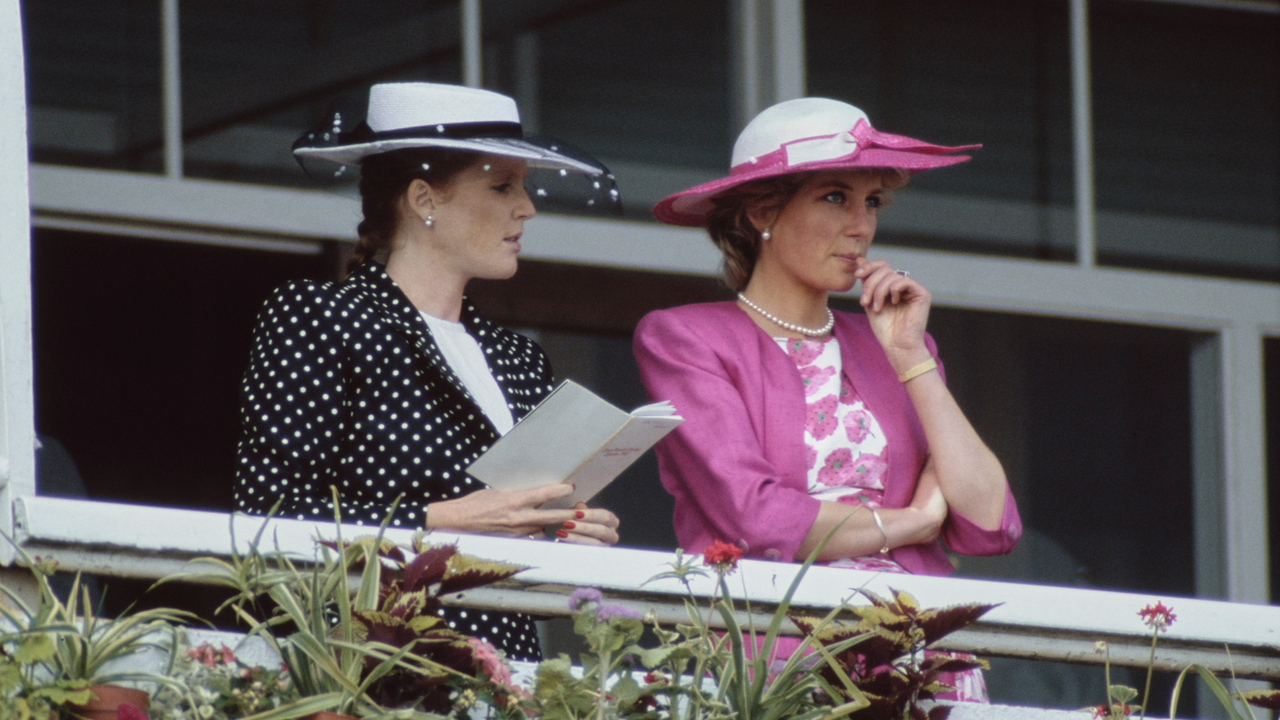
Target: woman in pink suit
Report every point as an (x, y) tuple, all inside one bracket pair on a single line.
[(800, 420)]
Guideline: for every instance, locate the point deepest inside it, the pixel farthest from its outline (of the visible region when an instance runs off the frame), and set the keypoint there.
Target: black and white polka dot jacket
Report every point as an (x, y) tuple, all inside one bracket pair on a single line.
[(345, 387)]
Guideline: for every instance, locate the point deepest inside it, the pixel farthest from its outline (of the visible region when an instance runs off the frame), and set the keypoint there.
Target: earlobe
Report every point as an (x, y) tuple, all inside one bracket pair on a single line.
[(761, 219), (421, 198)]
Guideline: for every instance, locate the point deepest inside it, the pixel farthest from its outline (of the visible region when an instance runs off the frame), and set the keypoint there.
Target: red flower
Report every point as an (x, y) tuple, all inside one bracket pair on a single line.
[(722, 556), (127, 711), (1157, 617)]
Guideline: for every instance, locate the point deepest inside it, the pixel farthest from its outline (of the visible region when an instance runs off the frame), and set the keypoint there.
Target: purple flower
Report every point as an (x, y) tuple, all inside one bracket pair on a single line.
[(582, 596), (604, 612)]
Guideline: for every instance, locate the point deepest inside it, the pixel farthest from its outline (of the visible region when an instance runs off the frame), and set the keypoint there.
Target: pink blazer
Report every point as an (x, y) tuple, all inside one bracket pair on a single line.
[(736, 466)]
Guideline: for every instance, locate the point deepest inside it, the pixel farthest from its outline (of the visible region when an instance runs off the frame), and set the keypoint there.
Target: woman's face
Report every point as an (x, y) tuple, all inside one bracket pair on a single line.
[(826, 226), (479, 218)]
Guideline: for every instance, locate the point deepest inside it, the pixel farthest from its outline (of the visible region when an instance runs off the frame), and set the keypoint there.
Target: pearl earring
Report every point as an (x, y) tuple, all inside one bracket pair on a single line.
[(766, 235), (430, 221)]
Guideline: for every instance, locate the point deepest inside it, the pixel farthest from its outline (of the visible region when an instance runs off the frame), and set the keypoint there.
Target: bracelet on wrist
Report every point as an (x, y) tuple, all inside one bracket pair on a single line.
[(884, 549), (918, 370)]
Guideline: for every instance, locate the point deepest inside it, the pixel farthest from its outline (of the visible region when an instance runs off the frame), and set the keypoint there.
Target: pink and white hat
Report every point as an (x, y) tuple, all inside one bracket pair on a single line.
[(802, 135)]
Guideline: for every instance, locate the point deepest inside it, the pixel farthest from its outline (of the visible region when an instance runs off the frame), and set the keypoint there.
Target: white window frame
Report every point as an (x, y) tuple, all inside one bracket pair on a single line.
[(1235, 316)]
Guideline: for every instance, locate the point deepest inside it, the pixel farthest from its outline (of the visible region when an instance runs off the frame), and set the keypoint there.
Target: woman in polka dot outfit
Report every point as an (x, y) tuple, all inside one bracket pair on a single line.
[(389, 383), (800, 421)]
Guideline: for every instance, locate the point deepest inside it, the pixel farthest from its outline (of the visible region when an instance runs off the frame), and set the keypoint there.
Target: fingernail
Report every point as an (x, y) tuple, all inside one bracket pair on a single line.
[(561, 534), (580, 514), (569, 525)]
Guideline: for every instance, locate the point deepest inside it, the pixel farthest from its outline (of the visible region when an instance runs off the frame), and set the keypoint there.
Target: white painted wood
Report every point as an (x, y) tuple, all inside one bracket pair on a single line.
[(17, 431), (788, 50), (745, 82), (1208, 466), (1248, 566), (171, 86), (472, 69), (192, 204), (1082, 134), (1037, 621), (145, 201)]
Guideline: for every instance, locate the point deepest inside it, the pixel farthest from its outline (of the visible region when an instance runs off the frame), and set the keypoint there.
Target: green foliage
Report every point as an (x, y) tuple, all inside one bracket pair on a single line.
[(51, 654), (371, 648), (698, 673)]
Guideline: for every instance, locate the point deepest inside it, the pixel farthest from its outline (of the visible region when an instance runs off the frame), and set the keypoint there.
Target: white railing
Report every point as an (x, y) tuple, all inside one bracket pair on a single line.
[(1037, 622)]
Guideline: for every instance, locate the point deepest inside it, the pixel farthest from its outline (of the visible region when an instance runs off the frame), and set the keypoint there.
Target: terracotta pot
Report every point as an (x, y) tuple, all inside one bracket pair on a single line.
[(107, 699)]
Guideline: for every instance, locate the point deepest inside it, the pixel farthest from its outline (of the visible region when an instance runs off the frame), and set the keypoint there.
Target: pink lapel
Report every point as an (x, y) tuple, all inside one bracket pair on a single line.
[(866, 366)]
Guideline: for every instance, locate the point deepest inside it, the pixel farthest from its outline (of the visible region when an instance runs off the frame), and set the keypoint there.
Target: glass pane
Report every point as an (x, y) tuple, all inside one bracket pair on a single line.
[(958, 73), (255, 75), (93, 83), (641, 84), (1092, 422), (1187, 130)]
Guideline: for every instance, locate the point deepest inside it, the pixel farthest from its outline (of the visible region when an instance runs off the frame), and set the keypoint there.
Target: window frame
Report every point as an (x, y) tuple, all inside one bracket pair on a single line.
[(1228, 416)]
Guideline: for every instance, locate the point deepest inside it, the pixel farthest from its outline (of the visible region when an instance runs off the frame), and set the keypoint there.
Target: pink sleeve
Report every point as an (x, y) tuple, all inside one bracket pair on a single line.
[(725, 486), (964, 536)]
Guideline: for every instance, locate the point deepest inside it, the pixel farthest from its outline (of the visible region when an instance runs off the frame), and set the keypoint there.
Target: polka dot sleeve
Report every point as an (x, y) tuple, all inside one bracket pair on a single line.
[(292, 407)]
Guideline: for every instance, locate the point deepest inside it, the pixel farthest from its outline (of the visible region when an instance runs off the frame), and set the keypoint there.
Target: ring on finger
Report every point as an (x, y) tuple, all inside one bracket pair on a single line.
[(903, 273)]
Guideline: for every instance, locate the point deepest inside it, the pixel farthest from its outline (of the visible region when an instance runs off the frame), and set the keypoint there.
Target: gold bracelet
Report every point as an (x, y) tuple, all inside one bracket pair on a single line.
[(880, 526), (918, 370)]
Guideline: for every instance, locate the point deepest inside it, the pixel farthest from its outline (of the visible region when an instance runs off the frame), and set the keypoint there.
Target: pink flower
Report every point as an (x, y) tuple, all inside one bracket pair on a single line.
[(207, 654), (820, 420), (857, 423), (837, 469), (489, 661), (803, 352), (812, 378), (1157, 617), (870, 469), (810, 455), (848, 395), (722, 556)]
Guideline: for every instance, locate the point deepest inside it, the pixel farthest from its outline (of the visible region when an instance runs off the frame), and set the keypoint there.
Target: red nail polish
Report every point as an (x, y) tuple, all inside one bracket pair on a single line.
[(570, 525), (561, 534), (580, 514)]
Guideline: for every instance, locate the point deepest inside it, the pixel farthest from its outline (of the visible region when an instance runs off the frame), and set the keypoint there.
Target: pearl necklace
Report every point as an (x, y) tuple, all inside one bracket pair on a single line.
[(810, 332)]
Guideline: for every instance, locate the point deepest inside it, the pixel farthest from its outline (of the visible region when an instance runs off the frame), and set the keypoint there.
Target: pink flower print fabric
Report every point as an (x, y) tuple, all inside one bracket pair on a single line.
[(869, 470), (837, 469), (820, 419), (857, 425), (814, 377), (804, 352), (845, 451), (848, 395)]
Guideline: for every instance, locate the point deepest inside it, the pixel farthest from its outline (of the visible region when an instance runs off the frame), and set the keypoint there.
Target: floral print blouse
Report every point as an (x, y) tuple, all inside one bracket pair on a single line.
[(845, 449)]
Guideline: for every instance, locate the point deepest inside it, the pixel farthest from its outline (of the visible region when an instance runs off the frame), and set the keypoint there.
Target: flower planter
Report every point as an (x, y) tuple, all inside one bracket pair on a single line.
[(107, 699)]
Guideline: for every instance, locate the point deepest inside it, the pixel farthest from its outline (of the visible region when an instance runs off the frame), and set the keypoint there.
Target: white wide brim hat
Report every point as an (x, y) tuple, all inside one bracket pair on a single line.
[(415, 115), (802, 135)]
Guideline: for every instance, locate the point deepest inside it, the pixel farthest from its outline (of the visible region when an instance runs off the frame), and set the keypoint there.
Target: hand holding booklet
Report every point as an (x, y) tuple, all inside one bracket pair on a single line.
[(573, 436)]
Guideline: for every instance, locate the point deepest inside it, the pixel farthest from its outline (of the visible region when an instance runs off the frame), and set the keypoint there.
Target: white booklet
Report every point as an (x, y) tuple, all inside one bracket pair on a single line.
[(573, 436)]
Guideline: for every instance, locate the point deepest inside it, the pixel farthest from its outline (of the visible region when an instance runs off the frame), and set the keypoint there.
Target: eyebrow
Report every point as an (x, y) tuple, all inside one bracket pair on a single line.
[(842, 185)]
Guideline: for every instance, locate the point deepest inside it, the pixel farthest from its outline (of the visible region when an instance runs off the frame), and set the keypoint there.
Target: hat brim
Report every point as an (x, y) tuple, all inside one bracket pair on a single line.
[(534, 154), (689, 208)]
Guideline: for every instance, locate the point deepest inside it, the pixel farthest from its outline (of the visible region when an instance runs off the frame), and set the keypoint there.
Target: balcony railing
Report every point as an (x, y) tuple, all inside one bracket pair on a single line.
[(1033, 622)]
